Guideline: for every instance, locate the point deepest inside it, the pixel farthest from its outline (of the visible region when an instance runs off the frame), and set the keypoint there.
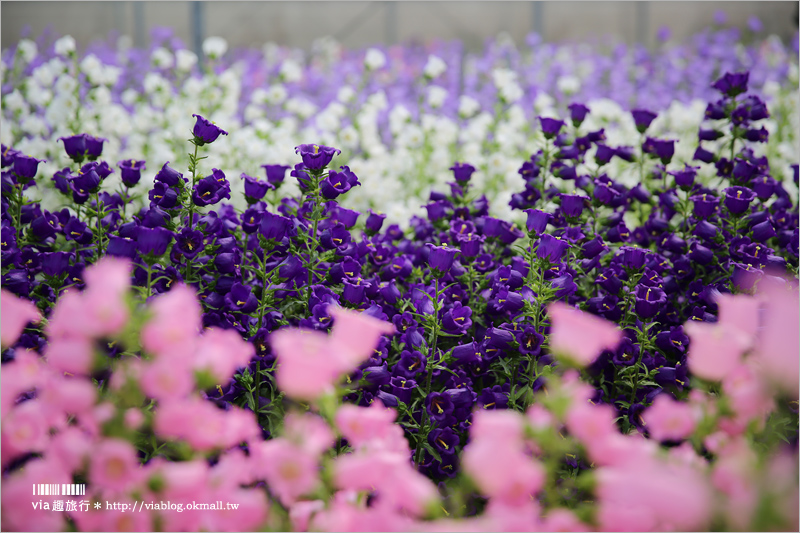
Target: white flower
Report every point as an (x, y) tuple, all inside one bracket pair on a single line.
[(301, 107), (398, 116), (475, 132), (507, 87), (511, 92), (129, 96), (411, 136), (59, 110), (34, 125), (400, 212), (434, 67), (446, 132), (345, 94), (291, 71), (258, 96), (348, 137), (101, 96), (472, 152), (27, 49), (503, 76), (185, 60), (154, 83), (65, 46), (498, 164), (14, 101), (336, 109), (584, 68), (229, 80), (428, 122), (109, 75), (516, 116), (604, 109), (467, 106), (374, 59), (6, 135), (57, 67), (114, 119), (162, 58), (39, 96), (287, 127), (771, 89), (91, 66), (568, 84), (377, 101), (271, 52), (124, 44), (436, 96), (543, 103), (215, 47), (327, 121), (276, 94)]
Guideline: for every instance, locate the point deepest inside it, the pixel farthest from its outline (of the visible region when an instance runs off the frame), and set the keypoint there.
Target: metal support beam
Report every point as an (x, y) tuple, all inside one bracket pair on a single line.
[(198, 27), (119, 17), (138, 24), (391, 22), (537, 16), (643, 23)]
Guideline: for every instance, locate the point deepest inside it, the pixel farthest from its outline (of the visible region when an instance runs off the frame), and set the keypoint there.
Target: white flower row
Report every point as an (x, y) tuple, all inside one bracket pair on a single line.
[(397, 176)]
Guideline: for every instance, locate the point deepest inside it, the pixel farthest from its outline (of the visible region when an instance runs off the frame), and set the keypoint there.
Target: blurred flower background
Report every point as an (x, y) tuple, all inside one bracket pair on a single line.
[(403, 89)]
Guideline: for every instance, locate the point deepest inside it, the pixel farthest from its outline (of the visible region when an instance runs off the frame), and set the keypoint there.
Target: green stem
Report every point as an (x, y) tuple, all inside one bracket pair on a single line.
[(125, 199), (637, 374), (257, 399), (312, 245), (263, 304), (194, 178), (149, 280), (540, 303), (99, 215), (471, 272), (514, 380), (641, 159), (545, 167), (424, 426), (530, 261), (18, 221)]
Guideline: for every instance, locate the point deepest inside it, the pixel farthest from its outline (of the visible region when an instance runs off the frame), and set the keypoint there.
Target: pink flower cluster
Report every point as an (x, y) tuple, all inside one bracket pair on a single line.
[(312, 362), (379, 465), (17, 314), (78, 432), (752, 351), (581, 349), (147, 434)]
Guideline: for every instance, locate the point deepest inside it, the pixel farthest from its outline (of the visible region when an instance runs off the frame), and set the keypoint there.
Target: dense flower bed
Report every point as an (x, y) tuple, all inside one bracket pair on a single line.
[(625, 359), (401, 115)]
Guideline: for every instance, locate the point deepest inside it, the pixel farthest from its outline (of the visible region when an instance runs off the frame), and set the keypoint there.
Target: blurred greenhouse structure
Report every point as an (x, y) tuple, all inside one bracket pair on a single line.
[(359, 24)]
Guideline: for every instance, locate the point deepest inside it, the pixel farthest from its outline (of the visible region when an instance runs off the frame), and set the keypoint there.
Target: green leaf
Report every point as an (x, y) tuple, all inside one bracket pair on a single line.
[(520, 391), (432, 451)]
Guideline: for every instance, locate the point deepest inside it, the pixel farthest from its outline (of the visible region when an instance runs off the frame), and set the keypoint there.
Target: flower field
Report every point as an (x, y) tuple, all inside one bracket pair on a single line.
[(537, 288)]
